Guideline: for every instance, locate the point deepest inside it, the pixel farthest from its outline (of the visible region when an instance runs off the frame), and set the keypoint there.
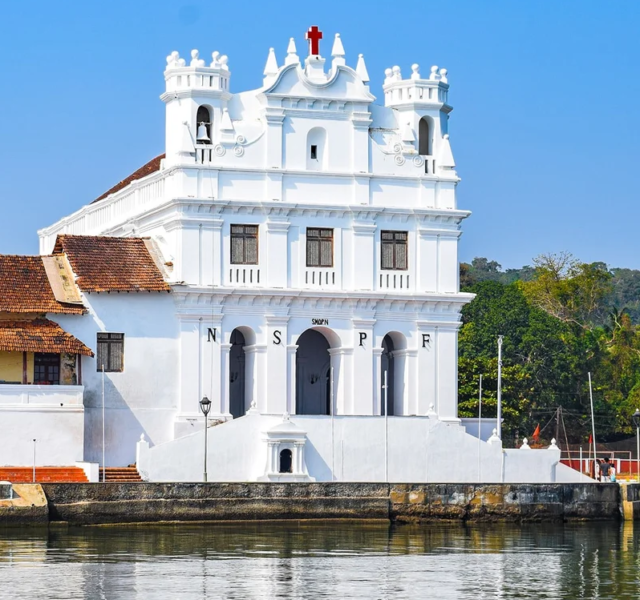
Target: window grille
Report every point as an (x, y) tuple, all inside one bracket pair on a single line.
[(319, 247), (111, 352), (244, 244), (394, 250)]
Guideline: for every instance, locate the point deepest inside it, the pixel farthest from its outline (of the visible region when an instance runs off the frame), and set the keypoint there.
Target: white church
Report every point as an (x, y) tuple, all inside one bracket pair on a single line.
[(292, 257)]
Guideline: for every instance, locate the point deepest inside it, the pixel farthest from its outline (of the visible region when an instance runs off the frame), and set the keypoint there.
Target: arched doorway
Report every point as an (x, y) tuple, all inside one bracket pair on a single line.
[(237, 375), (313, 368), (387, 366)]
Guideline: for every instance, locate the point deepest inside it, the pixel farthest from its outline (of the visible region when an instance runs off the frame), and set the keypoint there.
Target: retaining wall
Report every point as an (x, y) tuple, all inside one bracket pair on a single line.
[(156, 502)]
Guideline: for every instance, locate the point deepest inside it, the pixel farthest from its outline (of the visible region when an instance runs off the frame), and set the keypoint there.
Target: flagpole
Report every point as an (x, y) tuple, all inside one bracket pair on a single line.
[(593, 427), (333, 450), (386, 429), (499, 417), (480, 429)]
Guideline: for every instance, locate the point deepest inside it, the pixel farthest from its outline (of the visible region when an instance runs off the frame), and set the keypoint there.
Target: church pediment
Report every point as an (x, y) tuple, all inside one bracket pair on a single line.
[(342, 84)]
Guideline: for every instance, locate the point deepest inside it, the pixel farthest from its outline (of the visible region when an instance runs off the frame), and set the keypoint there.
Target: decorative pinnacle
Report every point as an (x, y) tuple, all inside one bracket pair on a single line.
[(271, 68), (338, 48), (361, 69), (292, 56)]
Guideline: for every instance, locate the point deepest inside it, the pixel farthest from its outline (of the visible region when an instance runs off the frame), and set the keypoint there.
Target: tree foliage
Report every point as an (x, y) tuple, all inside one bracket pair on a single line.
[(560, 322)]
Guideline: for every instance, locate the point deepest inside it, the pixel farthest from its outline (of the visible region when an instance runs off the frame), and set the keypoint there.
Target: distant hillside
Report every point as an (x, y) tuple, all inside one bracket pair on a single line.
[(625, 283)]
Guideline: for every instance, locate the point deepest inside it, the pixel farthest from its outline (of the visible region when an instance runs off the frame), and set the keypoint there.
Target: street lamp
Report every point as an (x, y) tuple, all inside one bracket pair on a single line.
[(636, 422), (205, 407)]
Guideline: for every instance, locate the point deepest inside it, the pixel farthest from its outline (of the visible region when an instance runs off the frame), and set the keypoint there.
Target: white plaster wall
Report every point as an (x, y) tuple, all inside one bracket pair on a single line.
[(59, 434), (351, 449), (144, 397)]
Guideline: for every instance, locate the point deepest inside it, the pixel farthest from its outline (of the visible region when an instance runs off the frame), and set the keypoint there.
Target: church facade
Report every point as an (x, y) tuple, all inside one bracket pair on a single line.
[(309, 236), (307, 241)]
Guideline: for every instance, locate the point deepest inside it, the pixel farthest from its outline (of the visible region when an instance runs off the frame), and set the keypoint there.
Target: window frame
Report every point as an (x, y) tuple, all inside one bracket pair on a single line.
[(53, 364), (244, 236), (394, 243), (318, 239), (109, 341)]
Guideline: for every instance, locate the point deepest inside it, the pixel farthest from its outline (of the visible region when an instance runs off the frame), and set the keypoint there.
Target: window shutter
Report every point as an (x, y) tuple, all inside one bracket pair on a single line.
[(237, 250), (313, 253), (251, 249), (401, 256), (387, 255), (326, 253)]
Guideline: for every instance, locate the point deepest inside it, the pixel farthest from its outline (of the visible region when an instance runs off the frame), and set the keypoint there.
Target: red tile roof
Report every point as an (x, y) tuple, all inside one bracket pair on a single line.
[(151, 167), (40, 335), (111, 264), (25, 287)]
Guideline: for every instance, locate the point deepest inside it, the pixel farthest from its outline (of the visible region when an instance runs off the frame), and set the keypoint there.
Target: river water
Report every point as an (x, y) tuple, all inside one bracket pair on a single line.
[(338, 561)]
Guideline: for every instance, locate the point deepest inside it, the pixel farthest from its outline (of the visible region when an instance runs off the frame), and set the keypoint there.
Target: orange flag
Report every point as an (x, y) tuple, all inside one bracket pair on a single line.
[(536, 433)]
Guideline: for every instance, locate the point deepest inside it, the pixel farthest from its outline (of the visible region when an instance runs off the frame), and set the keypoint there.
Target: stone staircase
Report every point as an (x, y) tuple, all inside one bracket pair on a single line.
[(43, 475), (120, 475)]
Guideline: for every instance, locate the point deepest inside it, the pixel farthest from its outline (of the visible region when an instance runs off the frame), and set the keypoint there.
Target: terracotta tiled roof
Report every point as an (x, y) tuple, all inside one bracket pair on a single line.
[(24, 287), (40, 335), (151, 167), (111, 264)]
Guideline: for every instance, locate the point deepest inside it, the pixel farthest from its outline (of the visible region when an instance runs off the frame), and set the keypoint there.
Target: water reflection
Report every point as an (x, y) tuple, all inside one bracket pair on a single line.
[(303, 560)]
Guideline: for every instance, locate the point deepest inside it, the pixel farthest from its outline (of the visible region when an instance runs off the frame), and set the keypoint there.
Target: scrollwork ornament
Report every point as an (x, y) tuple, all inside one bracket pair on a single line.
[(219, 150)]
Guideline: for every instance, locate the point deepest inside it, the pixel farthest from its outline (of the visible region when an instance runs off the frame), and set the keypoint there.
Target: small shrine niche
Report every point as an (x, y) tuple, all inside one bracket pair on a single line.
[(285, 453)]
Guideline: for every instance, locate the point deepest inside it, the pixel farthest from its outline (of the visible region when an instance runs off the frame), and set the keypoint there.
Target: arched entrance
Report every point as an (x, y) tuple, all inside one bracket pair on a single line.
[(313, 368), (237, 375), (387, 366)]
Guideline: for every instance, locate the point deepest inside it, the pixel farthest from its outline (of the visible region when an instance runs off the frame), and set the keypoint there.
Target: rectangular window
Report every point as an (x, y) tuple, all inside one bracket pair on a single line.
[(111, 352), (394, 250), (319, 247), (244, 244), (46, 368), (314, 152)]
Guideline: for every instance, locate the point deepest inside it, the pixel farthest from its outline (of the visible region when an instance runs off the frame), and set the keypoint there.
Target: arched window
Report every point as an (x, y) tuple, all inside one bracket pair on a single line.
[(424, 138), (203, 125), (286, 462), (317, 149)]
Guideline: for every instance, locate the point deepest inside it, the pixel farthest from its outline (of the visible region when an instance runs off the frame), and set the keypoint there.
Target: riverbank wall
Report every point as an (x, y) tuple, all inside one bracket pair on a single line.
[(111, 503)]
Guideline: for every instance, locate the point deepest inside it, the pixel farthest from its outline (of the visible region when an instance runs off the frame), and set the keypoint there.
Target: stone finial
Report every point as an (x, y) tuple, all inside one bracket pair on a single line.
[(397, 73), (142, 437), (525, 445), (553, 444), (494, 439), (445, 155), (224, 59), (225, 122), (215, 59), (253, 409), (195, 60), (292, 56), (361, 69), (338, 48), (415, 68), (174, 60), (432, 410), (388, 75), (443, 76), (271, 68), (286, 417), (407, 133), (433, 76)]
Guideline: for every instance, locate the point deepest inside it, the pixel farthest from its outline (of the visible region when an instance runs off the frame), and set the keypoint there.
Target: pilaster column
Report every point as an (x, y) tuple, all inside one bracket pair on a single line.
[(363, 365), (427, 370), (275, 118), (378, 408), (427, 261), (342, 364), (217, 255), (411, 381), (276, 384), (291, 378), (400, 381), (363, 255), (277, 253), (255, 388), (447, 364), (225, 349)]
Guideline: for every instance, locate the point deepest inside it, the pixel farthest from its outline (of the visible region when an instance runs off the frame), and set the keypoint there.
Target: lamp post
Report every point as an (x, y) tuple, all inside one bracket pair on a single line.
[(205, 407), (636, 422)]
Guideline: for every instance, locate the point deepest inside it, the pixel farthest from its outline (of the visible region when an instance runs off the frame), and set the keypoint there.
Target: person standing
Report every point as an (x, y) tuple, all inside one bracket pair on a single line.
[(605, 469)]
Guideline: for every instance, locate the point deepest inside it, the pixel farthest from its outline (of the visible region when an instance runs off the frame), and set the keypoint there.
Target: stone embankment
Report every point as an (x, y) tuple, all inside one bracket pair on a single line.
[(104, 503)]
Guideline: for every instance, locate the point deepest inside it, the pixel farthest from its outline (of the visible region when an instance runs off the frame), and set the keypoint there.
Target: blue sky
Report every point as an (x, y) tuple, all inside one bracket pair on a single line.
[(545, 95)]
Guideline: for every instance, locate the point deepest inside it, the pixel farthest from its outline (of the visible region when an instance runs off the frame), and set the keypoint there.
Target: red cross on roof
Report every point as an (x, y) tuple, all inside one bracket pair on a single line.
[(314, 35)]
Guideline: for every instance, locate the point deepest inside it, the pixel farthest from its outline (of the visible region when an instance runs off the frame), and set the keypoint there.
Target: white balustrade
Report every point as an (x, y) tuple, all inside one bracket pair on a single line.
[(244, 276), (319, 278), (394, 280)]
